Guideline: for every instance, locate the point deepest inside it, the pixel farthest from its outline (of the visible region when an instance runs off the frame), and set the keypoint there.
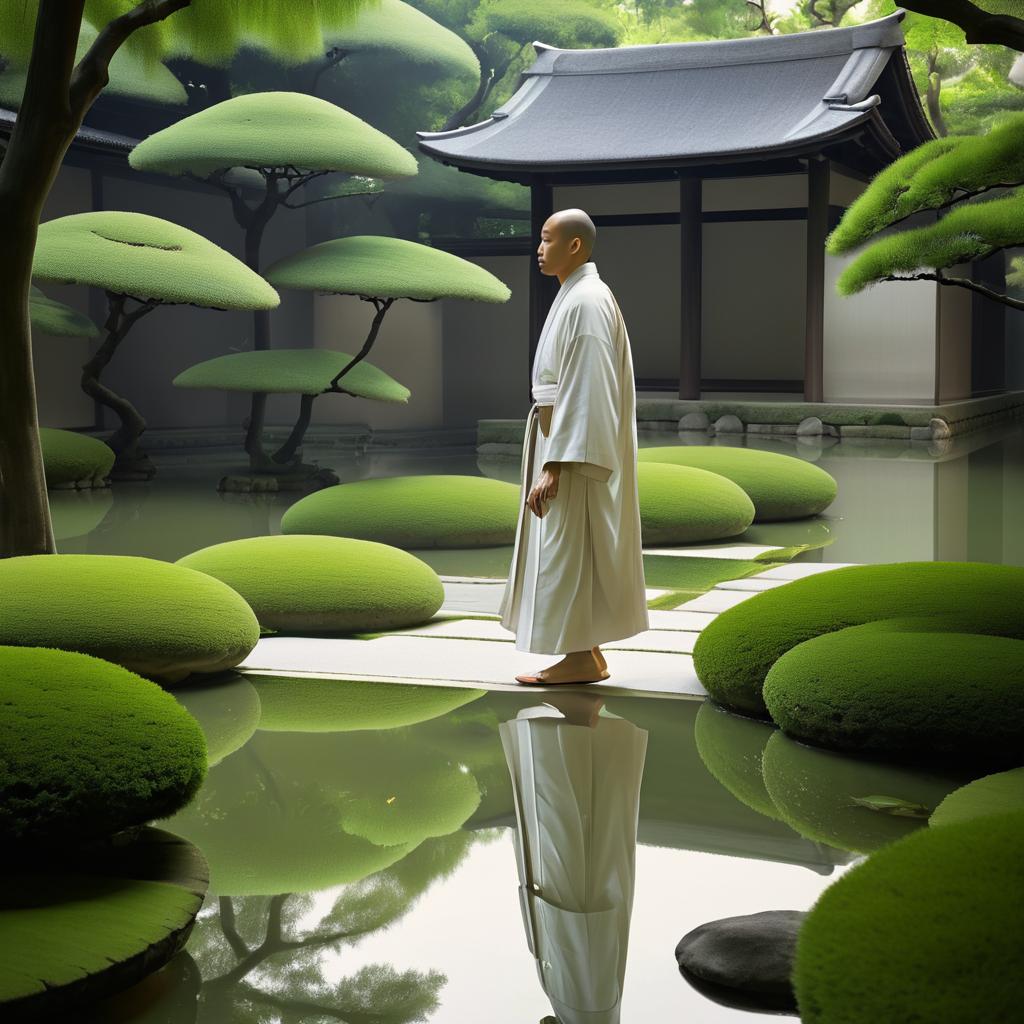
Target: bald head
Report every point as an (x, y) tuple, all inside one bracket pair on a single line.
[(566, 242)]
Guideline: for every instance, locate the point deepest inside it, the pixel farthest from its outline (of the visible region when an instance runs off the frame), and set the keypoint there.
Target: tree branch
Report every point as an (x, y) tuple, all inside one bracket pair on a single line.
[(961, 282), (92, 73), (381, 306), (979, 26)]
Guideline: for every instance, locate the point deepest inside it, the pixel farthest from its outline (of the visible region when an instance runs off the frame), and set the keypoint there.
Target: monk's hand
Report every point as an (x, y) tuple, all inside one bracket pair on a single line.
[(544, 489)]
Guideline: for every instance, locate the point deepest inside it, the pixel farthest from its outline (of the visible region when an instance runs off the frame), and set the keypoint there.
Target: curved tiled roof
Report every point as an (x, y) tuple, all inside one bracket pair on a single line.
[(672, 104)]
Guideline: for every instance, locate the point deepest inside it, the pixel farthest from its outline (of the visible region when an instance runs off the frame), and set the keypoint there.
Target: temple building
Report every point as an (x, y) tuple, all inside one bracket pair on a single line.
[(714, 172)]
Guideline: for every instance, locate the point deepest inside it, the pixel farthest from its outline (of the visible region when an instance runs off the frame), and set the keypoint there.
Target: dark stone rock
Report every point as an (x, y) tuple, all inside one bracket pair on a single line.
[(751, 956)]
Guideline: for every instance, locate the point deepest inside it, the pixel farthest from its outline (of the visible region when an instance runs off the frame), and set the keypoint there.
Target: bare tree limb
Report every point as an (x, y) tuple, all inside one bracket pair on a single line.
[(961, 282), (979, 26)]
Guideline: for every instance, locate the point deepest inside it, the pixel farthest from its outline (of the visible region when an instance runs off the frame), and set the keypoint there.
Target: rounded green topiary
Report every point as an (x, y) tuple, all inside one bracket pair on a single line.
[(930, 929), (732, 748), (318, 584), (301, 704), (70, 458), (849, 803), (273, 130), (882, 691), (147, 258), (51, 317), (88, 922), (993, 794), (292, 371), (412, 511), (227, 710), (682, 505), (386, 268), (162, 621), (780, 486), (88, 748), (736, 649)]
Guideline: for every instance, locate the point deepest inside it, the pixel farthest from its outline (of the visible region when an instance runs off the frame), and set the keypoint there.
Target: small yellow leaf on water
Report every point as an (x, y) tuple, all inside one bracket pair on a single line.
[(391, 799)]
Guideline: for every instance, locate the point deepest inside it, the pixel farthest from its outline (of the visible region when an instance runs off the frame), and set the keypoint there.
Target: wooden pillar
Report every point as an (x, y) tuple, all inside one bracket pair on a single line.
[(817, 230), (690, 270), (97, 300), (542, 287)]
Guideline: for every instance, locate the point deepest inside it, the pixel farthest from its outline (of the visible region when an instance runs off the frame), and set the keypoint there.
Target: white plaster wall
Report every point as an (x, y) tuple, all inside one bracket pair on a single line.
[(879, 345), (767, 191), (634, 197), (487, 349), (408, 347)]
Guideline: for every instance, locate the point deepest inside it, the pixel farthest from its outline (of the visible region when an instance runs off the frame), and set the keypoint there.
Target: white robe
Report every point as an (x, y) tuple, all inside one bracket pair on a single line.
[(577, 802), (577, 573)]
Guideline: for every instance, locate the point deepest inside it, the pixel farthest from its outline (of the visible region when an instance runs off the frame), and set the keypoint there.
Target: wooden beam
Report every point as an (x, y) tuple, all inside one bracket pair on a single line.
[(817, 230), (690, 266), (542, 287)]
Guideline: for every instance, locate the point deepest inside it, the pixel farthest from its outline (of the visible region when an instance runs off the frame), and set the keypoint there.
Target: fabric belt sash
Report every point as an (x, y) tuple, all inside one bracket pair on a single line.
[(544, 394)]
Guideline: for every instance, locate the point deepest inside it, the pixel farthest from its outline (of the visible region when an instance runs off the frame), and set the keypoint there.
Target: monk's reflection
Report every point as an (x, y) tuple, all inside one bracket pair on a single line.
[(576, 779)]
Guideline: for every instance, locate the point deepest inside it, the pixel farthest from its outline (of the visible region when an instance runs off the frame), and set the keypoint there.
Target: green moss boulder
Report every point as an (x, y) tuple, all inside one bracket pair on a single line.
[(850, 803), (736, 649), (1001, 793), (74, 460), (412, 511), (929, 929), (161, 620), (318, 584), (88, 748), (881, 691), (84, 923), (302, 704), (780, 486), (682, 505)]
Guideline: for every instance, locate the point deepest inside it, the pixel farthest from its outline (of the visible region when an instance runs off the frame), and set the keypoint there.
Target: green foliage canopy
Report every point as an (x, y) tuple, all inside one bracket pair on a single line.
[(273, 130), (382, 267), (52, 317), (146, 258)]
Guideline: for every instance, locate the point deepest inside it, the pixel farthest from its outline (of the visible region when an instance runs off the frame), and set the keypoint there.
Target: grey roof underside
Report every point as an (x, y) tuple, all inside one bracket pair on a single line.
[(685, 103)]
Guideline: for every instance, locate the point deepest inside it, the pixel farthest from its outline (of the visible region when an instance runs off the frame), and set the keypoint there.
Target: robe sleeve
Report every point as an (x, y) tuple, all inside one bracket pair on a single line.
[(585, 418)]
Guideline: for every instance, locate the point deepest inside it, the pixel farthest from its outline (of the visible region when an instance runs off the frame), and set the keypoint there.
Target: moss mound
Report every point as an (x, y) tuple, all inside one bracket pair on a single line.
[(780, 486), (147, 258), (387, 268), (930, 929), (736, 649), (292, 371), (227, 710), (845, 802), (882, 691), (731, 748), (994, 794), (49, 316), (70, 459), (273, 129), (348, 705), (412, 511), (88, 748), (324, 584), (78, 927), (682, 505), (162, 621)]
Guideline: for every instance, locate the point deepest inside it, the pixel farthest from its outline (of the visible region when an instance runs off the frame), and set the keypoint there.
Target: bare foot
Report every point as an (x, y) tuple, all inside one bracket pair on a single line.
[(577, 667)]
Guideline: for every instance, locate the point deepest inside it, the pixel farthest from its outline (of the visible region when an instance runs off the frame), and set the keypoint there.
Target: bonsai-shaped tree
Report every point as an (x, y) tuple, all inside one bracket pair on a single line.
[(42, 36), (140, 262), (308, 372), (49, 316), (950, 175), (379, 270)]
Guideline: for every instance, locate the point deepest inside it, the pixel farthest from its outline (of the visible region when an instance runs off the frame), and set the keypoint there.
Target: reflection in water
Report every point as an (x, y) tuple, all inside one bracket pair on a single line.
[(576, 782)]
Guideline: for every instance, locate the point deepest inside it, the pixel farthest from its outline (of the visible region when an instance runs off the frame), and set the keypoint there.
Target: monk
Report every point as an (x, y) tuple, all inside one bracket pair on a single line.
[(577, 577)]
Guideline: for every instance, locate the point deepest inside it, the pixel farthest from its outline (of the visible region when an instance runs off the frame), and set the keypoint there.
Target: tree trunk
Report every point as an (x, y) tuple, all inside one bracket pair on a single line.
[(287, 451), (260, 317), (42, 133)]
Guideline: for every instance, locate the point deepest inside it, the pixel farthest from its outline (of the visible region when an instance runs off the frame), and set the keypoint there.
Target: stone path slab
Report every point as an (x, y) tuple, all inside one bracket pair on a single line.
[(485, 595), (418, 659), (716, 600), (798, 570), (737, 551), (757, 582)]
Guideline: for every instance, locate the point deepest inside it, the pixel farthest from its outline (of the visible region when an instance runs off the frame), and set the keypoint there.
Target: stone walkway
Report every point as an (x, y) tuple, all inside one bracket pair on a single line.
[(453, 650)]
